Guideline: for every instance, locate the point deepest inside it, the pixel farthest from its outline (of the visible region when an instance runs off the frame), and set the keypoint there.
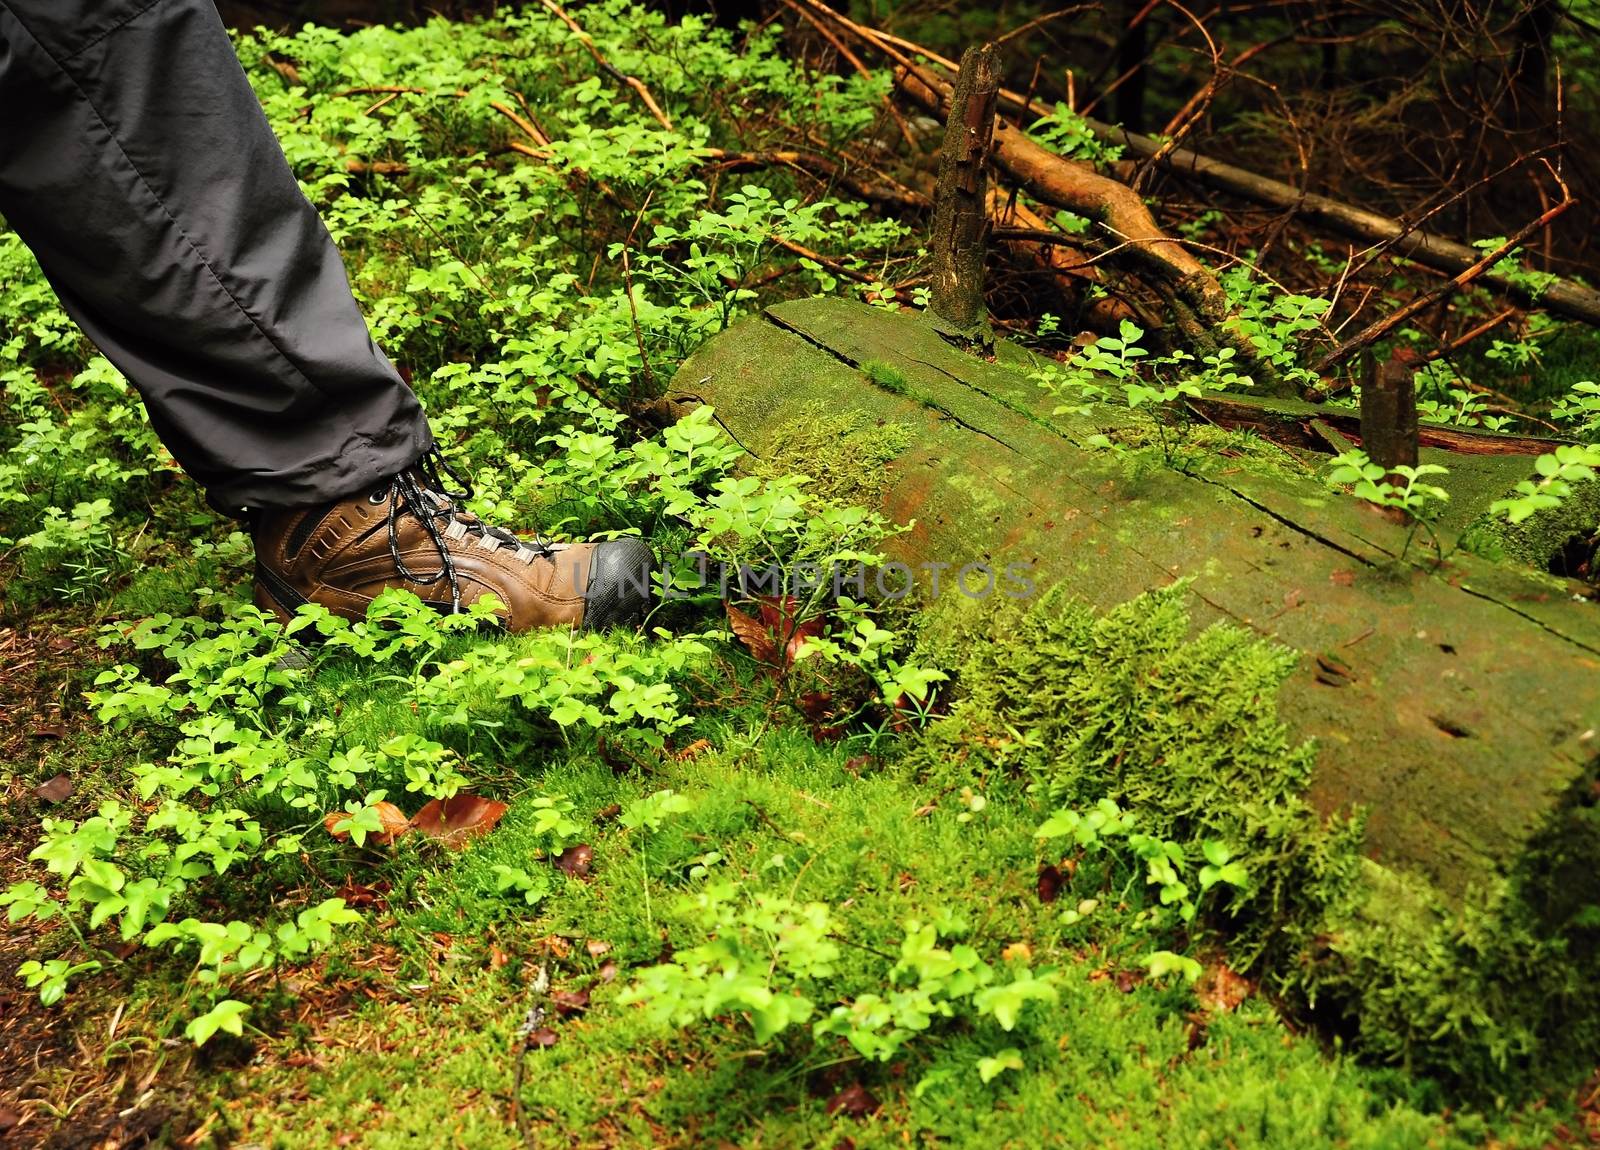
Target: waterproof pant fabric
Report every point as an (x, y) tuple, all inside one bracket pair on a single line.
[(136, 163)]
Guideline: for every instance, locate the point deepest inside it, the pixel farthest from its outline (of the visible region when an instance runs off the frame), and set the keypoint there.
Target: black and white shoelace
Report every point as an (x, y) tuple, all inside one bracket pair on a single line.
[(422, 491)]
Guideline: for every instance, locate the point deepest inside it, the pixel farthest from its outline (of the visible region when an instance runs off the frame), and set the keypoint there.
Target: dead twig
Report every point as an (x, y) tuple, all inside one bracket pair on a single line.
[(1376, 331), (632, 82)]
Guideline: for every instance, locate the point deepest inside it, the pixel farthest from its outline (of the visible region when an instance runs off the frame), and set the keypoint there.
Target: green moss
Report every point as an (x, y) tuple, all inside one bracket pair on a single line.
[(1182, 729), (843, 452), (1540, 537), (1489, 996)]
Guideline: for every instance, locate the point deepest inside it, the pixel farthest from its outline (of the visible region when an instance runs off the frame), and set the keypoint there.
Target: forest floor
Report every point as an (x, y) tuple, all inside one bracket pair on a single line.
[(739, 893), (411, 1029)]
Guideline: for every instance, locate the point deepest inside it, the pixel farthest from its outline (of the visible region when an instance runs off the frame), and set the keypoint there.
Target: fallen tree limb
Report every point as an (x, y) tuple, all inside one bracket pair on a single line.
[(1563, 297), (1198, 301), (1376, 331), (606, 66), (1294, 427)]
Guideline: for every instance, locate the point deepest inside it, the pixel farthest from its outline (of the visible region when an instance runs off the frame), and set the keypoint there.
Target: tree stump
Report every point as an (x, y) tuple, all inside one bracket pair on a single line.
[(1389, 413), (960, 199)]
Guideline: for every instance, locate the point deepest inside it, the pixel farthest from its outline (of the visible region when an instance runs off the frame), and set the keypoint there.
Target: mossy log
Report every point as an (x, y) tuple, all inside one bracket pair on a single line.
[(1457, 703)]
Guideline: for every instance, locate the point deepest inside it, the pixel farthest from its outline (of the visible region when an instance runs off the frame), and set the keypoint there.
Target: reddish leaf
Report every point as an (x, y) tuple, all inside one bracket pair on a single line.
[(544, 1036), (856, 765), (575, 860), (775, 625), (49, 730), (854, 1101), (569, 1002), (1220, 989), (1050, 881), (694, 750), (752, 634), (392, 817), (359, 896), (497, 957), (817, 707), (779, 616), (56, 790), (607, 813), (454, 820), (596, 948), (608, 972)]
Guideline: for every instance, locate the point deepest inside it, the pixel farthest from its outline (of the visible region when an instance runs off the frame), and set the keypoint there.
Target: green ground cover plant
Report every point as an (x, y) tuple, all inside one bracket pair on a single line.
[(792, 870)]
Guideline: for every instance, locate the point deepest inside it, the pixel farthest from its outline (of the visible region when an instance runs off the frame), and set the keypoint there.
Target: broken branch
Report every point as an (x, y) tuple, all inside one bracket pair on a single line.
[(1376, 331)]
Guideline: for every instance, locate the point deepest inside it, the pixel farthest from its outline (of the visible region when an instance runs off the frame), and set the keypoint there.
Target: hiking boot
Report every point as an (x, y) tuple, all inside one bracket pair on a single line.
[(414, 532)]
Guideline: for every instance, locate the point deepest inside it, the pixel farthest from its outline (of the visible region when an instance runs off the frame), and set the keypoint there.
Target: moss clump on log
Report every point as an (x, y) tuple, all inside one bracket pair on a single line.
[(843, 453), (1541, 540), (1490, 994)]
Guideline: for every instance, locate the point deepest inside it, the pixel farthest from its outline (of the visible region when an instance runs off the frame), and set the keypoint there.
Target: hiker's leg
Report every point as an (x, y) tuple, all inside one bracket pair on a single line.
[(137, 164)]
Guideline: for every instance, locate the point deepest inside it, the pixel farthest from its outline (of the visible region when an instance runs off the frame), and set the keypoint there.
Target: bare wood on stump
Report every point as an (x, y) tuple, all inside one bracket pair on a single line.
[(960, 204), (1389, 413)]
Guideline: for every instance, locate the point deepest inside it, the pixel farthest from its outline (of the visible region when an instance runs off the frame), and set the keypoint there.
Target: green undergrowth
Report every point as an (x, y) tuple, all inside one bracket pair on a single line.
[(1034, 878), (1115, 1057), (1184, 729), (1069, 911)]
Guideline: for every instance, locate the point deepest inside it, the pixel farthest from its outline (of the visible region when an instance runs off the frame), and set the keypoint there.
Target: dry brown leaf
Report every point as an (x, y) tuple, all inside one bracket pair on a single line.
[(1050, 882), (575, 860), (569, 1002), (359, 896), (596, 947), (544, 1036), (1016, 951), (1220, 989), (454, 820), (694, 750), (393, 818), (56, 790), (778, 615), (749, 631), (854, 1101)]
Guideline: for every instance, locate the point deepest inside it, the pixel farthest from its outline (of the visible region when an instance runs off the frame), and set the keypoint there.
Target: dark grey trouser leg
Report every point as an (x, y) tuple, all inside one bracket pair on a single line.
[(137, 164)]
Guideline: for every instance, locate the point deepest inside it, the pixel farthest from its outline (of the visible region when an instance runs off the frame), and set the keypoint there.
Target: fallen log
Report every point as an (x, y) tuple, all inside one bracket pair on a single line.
[(1463, 711)]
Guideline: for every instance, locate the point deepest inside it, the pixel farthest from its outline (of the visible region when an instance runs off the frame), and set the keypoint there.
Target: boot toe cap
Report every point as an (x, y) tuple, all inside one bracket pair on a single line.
[(620, 590)]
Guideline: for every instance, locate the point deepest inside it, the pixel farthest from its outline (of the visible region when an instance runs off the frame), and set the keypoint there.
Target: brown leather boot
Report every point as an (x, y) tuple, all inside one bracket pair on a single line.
[(412, 532)]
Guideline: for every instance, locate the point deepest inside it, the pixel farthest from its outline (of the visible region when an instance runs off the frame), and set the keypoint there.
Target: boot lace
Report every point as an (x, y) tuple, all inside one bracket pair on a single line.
[(422, 491)]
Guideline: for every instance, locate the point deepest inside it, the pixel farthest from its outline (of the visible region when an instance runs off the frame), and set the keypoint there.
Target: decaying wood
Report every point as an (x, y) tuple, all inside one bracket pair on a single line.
[(960, 199), (1405, 679), (1562, 297), (1292, 425), (1389, 413)]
